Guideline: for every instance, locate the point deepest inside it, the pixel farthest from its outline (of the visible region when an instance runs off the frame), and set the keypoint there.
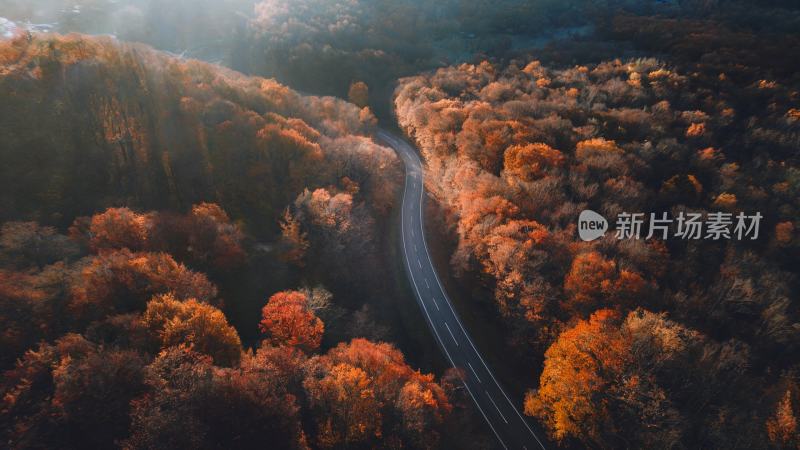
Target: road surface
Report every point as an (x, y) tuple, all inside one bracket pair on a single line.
[(502, 415)]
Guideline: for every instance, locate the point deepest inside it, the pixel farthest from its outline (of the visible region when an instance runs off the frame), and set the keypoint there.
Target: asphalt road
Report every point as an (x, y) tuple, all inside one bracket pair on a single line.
[(502, 415)]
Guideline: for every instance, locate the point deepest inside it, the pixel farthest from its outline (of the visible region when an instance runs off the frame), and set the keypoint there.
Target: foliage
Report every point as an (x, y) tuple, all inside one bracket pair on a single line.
[(363, 392), (201, 327), (121, 281), (516, 148), (129, 342), (142, 129), (288, 319)]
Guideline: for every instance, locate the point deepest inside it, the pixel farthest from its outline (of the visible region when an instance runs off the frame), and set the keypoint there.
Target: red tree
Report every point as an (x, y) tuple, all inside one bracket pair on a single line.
[(288, 320)]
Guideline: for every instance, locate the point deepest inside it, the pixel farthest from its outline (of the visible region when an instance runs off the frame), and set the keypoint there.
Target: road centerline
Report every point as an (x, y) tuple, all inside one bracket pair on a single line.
[(474, 372), (495, 407), (451, 334), (413, 204)]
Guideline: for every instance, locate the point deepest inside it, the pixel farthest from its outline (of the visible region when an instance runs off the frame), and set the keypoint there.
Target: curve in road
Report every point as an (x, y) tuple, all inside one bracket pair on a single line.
[(503, 417)]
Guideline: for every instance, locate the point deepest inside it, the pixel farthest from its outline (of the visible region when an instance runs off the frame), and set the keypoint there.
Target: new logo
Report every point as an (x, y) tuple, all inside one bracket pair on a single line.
[(591, 225)]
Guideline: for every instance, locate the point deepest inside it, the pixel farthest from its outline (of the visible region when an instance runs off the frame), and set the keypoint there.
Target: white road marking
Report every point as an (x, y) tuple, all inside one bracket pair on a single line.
[(495, 407), (472, 344), (435, 303), (441, 343), (451, 333), (474, 373), (415, 248), (474, 400), (413, 158), (426, 283), (419, 263)]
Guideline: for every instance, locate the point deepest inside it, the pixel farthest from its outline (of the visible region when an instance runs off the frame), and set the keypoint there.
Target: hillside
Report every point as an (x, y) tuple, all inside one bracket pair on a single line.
[(516, 150), (124, 124), (360, 224), (167, 229)]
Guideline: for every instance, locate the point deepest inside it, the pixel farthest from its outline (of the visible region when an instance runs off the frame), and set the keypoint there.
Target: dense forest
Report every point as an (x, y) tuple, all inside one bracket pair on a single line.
[(130, 127), (117, 330), (136, 352), (199, 234), (126, 124), (317, 46), (646, 343)]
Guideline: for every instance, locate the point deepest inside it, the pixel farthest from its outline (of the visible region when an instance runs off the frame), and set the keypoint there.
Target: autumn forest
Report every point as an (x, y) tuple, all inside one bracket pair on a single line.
[(206, 240)]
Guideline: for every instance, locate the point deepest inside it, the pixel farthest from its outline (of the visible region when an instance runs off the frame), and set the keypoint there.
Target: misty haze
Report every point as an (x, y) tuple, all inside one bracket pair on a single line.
[(361, 224)]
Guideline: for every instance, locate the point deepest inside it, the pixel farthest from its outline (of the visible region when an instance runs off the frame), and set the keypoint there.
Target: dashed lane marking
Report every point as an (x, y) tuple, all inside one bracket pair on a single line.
[(439, 338), (474, 373), (495, 407), (430, 320), (451, 333)]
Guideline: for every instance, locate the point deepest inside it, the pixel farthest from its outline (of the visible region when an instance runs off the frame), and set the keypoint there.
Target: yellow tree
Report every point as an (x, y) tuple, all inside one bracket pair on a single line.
[(354, 415), (578, 368), (782, 426), (199, 325)]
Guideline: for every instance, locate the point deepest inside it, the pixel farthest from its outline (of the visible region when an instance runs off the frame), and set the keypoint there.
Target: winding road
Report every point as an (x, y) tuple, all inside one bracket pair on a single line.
[(502, 415)]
